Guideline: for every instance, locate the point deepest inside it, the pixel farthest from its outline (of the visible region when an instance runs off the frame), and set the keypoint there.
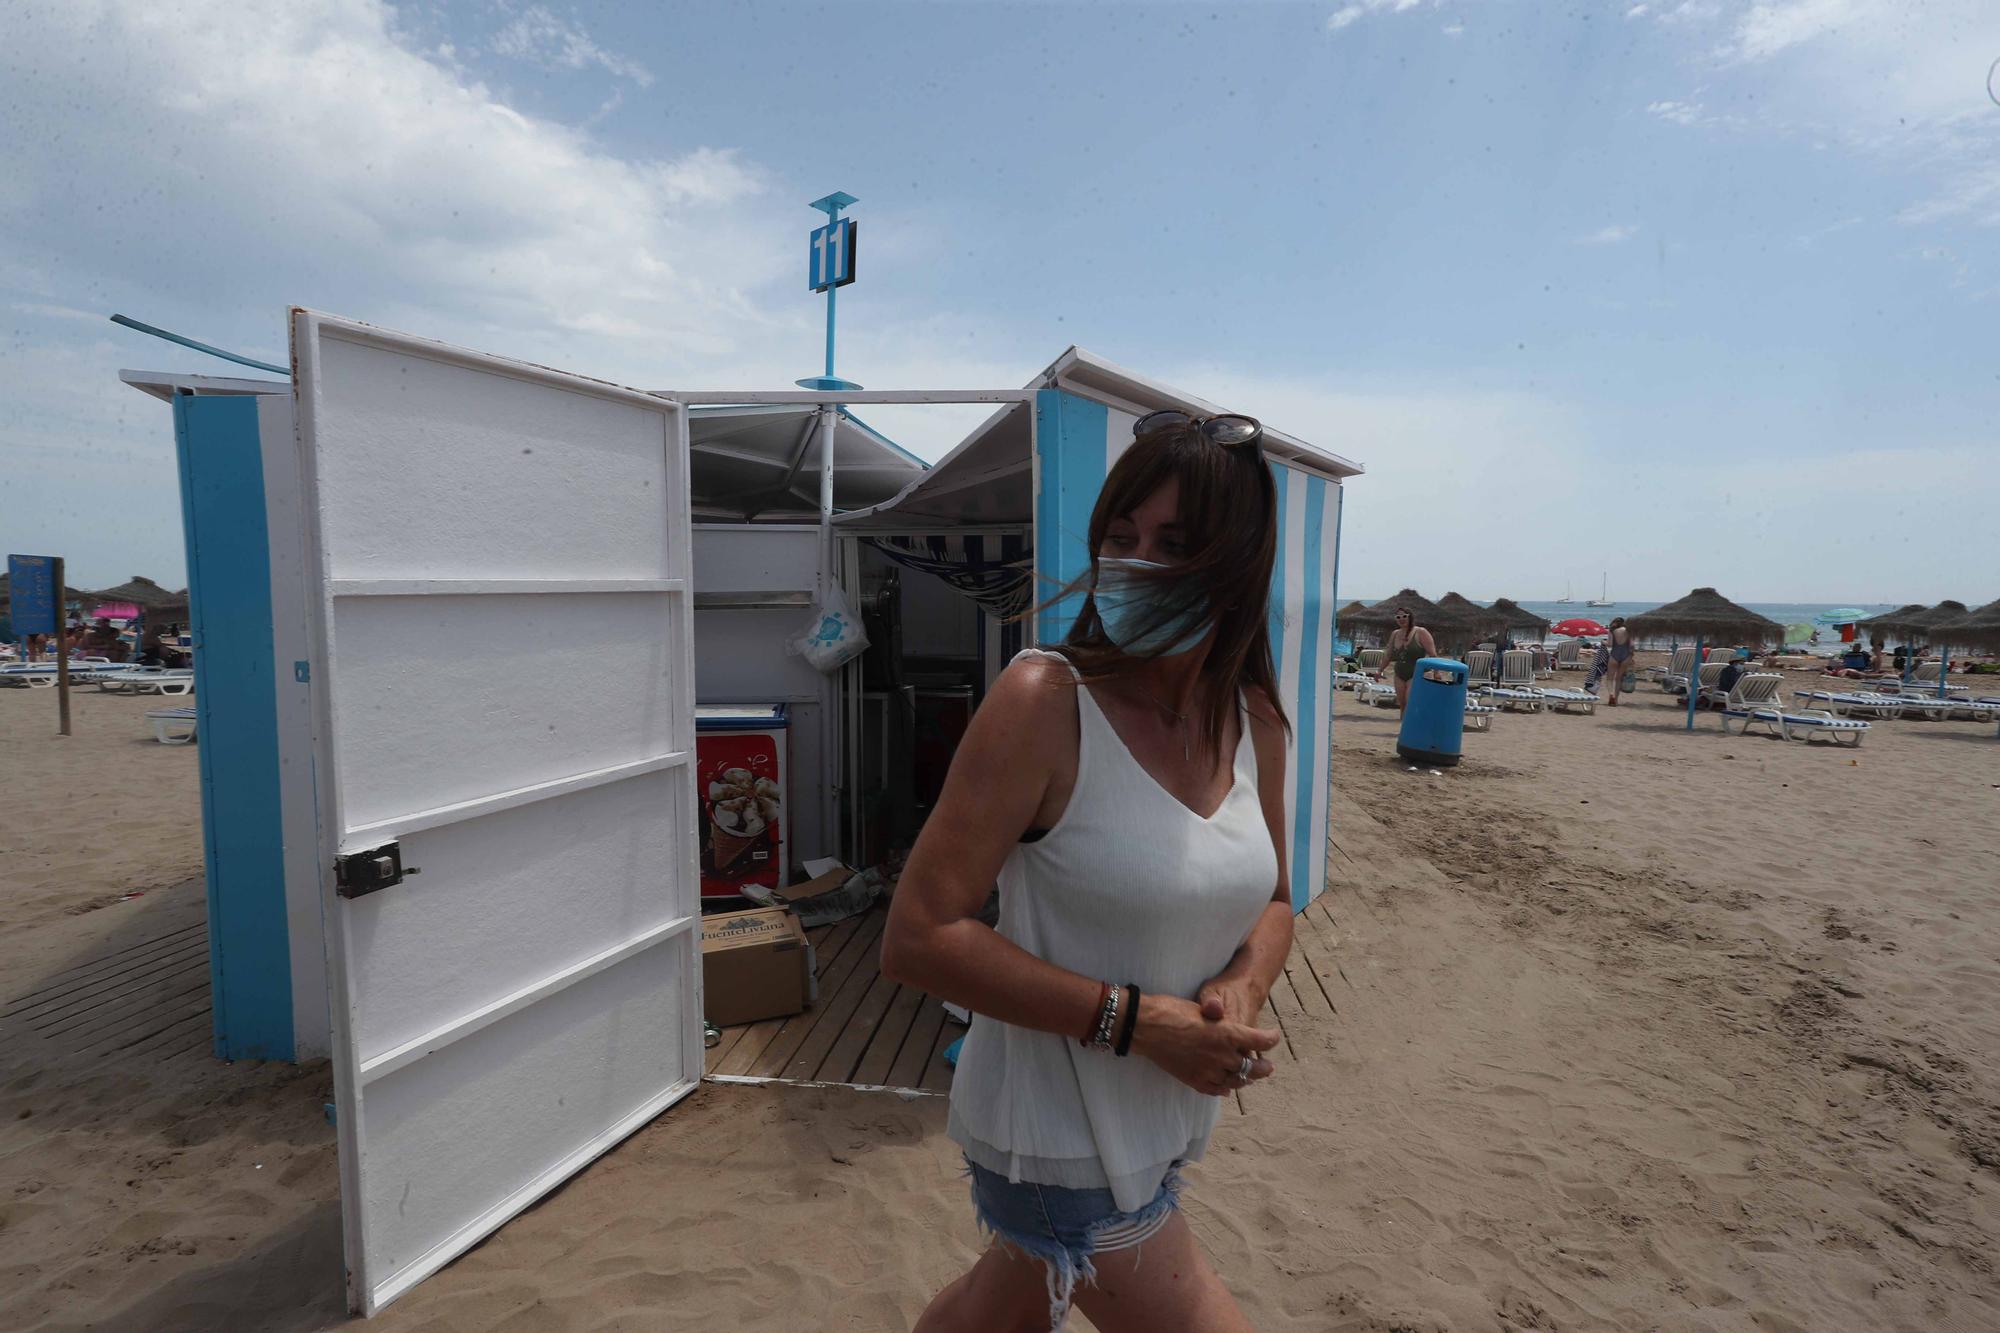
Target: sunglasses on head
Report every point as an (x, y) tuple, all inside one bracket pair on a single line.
[(1227, 430)]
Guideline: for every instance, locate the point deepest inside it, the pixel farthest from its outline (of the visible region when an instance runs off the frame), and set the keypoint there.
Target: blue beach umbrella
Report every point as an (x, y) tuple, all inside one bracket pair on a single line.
[(1840, 615)]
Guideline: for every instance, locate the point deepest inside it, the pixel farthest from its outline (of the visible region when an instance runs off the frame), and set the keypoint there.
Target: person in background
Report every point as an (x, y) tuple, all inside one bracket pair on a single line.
[(103, 640), (1726, 680), (1618, 644), (1409, 643), (154, 650)]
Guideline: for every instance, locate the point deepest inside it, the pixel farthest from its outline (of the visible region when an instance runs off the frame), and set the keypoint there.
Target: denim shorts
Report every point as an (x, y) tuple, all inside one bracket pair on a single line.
[(1063, 1227)]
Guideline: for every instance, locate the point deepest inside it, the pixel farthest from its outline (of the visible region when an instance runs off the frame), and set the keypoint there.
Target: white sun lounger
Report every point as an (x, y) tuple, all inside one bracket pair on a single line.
[(147, 680), (1952, 706), (1568, 700), (1349, 680), (1478, 716), (1479, 664), (1813, 724), (1378, 692), (172, 726), (1673, 677), (1847, 703), (1372, 659), (1569, 656), (1515, 700), (1752, 702)]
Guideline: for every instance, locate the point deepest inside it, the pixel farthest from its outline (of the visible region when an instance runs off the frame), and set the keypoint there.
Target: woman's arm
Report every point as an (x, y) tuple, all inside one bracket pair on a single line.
[(1430, 644), (1237, 993), (1021, 738)]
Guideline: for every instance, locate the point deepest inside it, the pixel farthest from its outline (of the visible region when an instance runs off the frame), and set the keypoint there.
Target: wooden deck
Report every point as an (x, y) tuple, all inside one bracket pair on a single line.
[(147, 1001), (869, 1031)]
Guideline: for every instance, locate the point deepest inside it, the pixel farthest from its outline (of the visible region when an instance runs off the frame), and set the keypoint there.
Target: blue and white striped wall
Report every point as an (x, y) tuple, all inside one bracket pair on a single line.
[(1076, 442), (240, 512)]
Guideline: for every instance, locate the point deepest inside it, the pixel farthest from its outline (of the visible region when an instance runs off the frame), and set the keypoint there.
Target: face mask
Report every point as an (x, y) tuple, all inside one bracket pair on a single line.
[(1144, 615)]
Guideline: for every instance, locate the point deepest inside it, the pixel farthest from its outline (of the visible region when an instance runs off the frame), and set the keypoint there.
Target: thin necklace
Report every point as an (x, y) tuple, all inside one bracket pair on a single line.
[(1179, 717)]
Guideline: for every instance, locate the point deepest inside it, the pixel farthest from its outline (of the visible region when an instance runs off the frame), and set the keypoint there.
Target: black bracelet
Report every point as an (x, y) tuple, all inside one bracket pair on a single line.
[(1124, 1046)]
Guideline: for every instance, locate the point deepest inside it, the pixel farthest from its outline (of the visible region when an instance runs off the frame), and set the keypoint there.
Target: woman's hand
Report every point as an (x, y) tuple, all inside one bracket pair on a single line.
[(1206, 1054)]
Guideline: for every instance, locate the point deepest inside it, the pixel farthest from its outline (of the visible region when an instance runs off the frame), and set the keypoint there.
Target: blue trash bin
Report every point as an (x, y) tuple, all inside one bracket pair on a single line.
[(1434, 717)]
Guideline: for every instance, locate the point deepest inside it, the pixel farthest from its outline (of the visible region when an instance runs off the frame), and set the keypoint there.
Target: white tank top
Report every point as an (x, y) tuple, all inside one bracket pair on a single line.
[(1129, 886)]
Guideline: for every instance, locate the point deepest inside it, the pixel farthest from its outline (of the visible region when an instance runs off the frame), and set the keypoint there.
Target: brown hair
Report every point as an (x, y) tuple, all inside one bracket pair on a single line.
[(1229, 517)]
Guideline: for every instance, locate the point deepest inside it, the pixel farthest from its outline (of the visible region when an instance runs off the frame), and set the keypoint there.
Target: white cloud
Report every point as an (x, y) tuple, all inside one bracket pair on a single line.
[(1352, 13), (1680, 113), (1612, 235), (201, 169), (1454, 30), (540, 38), (1765, 29), (1636, 11)]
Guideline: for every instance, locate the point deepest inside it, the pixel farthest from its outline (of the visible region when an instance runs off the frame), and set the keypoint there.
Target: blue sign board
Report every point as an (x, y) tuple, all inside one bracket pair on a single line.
[(31, 582), (830, 255)]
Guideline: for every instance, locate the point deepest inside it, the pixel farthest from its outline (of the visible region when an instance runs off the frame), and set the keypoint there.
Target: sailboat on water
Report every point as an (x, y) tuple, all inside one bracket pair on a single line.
[(1603, 597), (1565, 599)]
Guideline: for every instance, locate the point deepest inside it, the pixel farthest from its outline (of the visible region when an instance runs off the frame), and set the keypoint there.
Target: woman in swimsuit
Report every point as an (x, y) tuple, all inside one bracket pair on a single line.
[(1408, 643), (1621, 656)]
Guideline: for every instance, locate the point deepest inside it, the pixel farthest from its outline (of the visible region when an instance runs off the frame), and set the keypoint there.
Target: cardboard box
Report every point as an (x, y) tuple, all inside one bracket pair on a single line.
[(754, 965)]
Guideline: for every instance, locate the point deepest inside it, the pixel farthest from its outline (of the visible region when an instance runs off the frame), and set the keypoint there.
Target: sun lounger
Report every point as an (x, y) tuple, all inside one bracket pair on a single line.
[(1927, 678), (172, 726), (1479, 664), (1515, 700), (147, 680), (1948, 708), (1847, 703), (1753, 702), (1569, 656), (1813, 724), (1478, 716), (1567, 700), (1673, 678), (1372, 659), (1348, 680), (1378, 692)]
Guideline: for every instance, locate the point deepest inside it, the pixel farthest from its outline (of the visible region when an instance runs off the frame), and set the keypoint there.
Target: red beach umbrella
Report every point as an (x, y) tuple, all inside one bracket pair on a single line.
[(1576, 627)]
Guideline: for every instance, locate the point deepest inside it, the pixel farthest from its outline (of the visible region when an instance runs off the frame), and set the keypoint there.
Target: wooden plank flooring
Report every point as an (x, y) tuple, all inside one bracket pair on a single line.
[(146, 1001), (866, 1029), (870, 1031)]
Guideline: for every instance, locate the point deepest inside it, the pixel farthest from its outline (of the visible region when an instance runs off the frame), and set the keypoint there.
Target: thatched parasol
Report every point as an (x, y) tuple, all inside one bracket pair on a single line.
[(1516, 616), (1348, 612), (1705, 614), (1382, 615), (1921, 623), (1893, 622), (1457, 619), (1977, 629), (140, 592)]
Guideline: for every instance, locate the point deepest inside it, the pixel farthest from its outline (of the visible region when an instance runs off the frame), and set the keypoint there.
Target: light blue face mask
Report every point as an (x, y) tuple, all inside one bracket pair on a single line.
[(1142, 615)]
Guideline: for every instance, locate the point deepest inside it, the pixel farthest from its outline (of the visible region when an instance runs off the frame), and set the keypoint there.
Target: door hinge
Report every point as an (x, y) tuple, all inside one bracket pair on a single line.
[(360, 873)]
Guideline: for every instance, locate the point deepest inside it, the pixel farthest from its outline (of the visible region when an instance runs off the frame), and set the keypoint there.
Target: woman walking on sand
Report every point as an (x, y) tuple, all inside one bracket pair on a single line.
[(1126, 791), (1619, 642), (1409, 643)]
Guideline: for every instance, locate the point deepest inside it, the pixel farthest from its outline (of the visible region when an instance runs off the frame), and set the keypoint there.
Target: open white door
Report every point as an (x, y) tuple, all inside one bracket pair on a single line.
[(504, 687)]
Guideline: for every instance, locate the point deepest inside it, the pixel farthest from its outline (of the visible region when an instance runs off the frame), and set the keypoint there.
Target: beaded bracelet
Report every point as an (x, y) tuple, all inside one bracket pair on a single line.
[(1107, 1019)]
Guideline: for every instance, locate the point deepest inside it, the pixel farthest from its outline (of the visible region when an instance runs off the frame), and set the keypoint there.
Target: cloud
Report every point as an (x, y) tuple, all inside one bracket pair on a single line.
[(1637, 11), (1680, 113), (1612, 235), (540, 38), (1766, 29), (1349, 14), (202, 169), (1454, 30)]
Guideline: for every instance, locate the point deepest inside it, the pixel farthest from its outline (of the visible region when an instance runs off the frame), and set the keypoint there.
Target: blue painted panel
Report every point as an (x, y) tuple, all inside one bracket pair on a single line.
[(1070, 452), (1311, 747), (229, 587)]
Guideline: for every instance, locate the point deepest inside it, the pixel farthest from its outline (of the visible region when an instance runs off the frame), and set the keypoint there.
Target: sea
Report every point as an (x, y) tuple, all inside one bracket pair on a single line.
[(1785, 613)]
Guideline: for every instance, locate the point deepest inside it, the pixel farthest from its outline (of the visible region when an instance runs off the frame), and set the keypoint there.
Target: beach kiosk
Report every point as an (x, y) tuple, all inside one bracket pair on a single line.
[(507, 593)]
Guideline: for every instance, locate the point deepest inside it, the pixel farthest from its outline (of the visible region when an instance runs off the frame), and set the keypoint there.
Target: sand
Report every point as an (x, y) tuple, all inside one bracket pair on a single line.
[(1620, 1028)]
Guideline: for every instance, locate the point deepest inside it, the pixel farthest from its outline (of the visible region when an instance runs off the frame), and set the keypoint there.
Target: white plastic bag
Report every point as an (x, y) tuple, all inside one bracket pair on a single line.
[(833, 637)]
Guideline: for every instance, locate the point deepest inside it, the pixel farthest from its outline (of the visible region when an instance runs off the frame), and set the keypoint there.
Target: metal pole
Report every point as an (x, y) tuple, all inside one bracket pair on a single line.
[(1694, 682), (827, 417), (831, 292), (62, 647)]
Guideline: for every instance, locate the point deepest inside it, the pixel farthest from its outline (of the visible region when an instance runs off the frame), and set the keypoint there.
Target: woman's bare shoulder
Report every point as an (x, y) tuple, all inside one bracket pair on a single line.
[(1264, 714), (1034, 691)]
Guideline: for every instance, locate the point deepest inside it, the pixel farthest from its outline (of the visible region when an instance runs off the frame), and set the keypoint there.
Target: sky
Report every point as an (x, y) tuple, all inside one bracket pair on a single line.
[(1672, 293)]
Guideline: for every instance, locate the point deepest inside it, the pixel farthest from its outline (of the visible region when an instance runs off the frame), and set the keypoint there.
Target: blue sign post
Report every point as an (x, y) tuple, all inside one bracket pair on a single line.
[(35, 587), (829, 267)]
